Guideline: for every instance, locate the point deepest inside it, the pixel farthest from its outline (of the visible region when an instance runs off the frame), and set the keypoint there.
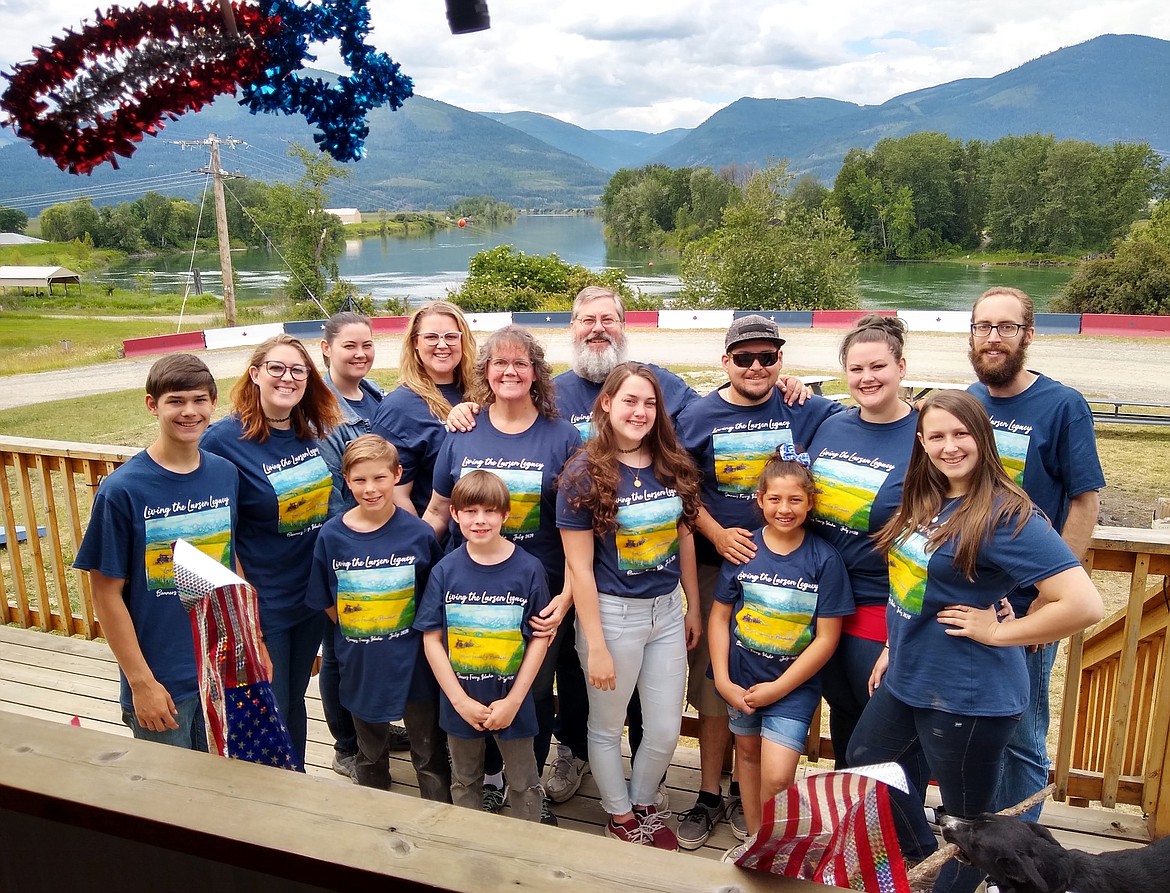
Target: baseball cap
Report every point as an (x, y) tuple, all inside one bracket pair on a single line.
[(752, 328)]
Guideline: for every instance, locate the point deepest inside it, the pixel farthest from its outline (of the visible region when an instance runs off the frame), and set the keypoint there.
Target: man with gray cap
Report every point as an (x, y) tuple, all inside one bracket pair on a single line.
[(731, 433)]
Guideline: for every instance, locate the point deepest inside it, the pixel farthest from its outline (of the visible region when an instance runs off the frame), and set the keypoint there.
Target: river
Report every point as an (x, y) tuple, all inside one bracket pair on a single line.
[(424, 268)]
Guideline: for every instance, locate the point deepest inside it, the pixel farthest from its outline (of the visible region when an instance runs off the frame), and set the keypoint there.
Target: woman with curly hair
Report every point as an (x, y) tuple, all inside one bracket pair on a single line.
[(281, 409), (434, 374), (520, 439), (626, 506)]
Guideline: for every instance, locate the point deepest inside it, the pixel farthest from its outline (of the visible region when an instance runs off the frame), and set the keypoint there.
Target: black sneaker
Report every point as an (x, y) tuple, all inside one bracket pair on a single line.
[(494, 798), (397, 739), (547, 817)]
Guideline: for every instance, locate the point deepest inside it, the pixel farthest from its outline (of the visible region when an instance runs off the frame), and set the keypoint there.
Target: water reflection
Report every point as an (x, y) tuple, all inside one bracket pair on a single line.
[(428, 267)]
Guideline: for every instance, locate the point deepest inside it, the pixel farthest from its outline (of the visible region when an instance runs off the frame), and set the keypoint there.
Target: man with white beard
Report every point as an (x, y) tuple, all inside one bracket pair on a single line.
[(598, 326)]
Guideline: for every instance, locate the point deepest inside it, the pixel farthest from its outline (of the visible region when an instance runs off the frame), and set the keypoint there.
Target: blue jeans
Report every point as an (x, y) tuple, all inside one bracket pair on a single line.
[(292, 652), (1025, 762), (845, 687), (339, 720), (191, 733), (962, 753), (647, 641)]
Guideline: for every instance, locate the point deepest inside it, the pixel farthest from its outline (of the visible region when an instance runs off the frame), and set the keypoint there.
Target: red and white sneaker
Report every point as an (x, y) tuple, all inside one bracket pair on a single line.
[(630, 831), (655, 828)]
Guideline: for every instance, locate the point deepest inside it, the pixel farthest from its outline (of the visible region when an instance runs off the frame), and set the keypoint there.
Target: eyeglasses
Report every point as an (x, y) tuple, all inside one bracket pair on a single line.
[(499, 364), (1005, 329), (607, 322), (766, 358), (277, 370), (432, 339)]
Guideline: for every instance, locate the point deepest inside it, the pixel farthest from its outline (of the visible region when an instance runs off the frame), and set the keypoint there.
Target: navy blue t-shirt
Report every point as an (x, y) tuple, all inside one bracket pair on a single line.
[(405, 420), (859, 468), (138, 513), (484, 612), (1047, 445), (284, 499), (640, 558), (373, 579), (956, 674), (731, 444), (777, 600), (576, 396), (528, 463)]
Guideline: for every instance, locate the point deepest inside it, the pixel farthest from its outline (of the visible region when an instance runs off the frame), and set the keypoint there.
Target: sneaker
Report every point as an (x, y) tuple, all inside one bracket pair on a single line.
[(655, 828), (735, 818), (662, 798), (630, 832), (932, 817), (494, 798), (547, 816), (397, 739), (733, 854), (565, 776), (694, 825), (345, 764)]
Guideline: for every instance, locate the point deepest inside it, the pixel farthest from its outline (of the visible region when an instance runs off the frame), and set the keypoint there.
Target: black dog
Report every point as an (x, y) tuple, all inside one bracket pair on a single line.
[(1025, 858)]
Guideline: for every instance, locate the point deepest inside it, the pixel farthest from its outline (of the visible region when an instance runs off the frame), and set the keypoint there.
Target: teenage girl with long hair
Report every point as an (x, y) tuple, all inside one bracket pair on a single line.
[(281, 409), (626, 505), (950, 687)]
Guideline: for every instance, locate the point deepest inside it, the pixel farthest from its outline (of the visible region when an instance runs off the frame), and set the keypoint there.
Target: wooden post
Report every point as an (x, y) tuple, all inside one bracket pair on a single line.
[(221, 229)]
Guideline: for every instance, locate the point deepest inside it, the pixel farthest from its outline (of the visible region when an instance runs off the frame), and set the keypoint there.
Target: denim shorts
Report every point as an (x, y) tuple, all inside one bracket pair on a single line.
[(790, 733)]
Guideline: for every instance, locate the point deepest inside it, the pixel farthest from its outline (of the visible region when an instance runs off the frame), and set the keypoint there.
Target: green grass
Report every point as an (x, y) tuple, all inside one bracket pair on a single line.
[(30, 343), (77, 257)]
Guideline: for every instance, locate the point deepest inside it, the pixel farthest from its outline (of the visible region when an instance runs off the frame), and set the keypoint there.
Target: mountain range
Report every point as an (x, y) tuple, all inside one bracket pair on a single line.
[(430, 153)]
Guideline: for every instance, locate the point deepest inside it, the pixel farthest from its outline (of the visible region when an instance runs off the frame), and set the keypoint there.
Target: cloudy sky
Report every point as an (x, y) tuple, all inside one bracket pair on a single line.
[(656, 64)]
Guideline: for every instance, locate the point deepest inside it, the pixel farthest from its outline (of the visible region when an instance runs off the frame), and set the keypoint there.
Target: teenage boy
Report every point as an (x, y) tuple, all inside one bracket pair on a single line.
[(474, 618), (171, 489), (369, 566)]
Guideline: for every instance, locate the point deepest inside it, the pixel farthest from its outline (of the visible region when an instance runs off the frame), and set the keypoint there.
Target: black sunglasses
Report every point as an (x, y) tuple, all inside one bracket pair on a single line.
[(745, 360)]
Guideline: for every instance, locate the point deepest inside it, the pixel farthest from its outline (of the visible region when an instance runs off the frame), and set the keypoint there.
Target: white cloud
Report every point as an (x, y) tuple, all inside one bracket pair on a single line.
[(658, 64)]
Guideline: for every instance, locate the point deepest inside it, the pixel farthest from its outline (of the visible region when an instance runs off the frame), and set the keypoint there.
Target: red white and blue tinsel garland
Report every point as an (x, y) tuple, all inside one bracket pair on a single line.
[(92, 95)]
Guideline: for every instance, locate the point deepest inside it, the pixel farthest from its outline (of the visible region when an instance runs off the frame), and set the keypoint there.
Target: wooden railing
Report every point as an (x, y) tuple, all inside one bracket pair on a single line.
[(1113, 718), (1116, 706), (46, 488)]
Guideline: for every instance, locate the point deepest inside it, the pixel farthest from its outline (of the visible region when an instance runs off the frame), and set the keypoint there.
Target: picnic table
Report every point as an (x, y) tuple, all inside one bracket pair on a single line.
[(914, 390), (816, 382)]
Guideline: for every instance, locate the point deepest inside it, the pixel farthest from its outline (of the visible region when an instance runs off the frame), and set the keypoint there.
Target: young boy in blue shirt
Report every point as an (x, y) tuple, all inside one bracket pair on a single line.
[(477, 637), (171, 489), (370, 564)]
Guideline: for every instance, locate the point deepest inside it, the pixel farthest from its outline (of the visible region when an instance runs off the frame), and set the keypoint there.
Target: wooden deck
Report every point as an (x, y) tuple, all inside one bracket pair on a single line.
[(57, 678)]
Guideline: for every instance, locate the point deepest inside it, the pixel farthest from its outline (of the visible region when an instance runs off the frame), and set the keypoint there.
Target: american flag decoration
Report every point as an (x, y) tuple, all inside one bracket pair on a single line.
[(834, 828), (243, 722)]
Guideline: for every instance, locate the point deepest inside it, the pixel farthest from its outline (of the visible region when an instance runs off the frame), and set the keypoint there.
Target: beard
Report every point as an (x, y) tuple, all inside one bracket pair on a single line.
[(1002, 372), (595, 366)]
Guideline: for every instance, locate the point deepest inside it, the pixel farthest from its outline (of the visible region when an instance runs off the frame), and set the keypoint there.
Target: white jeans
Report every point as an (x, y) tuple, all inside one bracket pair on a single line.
[(647, 641)]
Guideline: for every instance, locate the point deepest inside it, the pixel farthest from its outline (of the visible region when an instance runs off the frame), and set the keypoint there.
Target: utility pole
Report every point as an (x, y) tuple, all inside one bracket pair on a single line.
[(225, 258)]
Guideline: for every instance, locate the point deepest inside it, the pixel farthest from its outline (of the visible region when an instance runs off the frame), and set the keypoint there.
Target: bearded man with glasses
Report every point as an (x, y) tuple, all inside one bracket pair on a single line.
[(731, 433), (1044, 434)]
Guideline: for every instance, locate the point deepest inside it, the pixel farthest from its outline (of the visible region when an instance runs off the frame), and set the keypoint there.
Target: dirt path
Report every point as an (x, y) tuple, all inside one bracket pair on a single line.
[(1121, 368)]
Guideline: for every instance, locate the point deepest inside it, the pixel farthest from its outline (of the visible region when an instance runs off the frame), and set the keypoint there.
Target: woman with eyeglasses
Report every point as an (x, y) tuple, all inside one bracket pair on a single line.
[(859, 464), (519, 438), (281, 408), (434, 374)]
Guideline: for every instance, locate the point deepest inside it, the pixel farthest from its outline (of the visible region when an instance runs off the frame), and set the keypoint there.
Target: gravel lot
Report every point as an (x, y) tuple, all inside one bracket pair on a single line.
[(1121, 368)]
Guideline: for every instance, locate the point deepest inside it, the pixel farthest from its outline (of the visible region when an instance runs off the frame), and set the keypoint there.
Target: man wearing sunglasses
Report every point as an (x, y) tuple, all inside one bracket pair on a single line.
[(1044, 433), (731, 433)]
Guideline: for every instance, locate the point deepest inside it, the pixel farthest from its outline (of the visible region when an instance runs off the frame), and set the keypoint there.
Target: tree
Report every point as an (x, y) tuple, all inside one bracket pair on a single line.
[(13, 220), (503, 279), (308, 238), (1135, 279), (656, 205), (772, 254)]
